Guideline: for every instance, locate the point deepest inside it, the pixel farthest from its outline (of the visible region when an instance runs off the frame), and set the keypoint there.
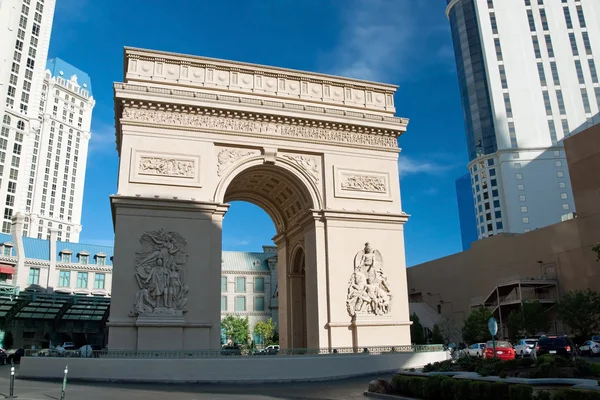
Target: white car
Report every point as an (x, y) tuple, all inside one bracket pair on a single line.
[(525, 347), (476, 350), (590, 348)]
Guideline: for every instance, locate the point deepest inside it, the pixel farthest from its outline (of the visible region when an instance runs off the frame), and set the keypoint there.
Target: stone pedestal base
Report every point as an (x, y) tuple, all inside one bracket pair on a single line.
[(371, 331), (160, 331)]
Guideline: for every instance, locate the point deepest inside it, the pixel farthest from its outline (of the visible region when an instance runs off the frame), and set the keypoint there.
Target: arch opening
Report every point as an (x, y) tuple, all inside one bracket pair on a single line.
[(286, 199)]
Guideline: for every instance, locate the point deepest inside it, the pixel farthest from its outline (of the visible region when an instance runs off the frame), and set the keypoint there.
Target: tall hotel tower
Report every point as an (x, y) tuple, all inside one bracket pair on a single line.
[(44, 125), (528, 77)]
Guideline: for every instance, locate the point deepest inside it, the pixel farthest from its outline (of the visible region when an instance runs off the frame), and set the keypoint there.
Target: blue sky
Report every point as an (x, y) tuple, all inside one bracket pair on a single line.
[(404, 42)]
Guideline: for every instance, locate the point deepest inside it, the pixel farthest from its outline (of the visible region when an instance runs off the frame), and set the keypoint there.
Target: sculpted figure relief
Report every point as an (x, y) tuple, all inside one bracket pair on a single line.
[(166, 167), (227, 157), (364, 183), (159, 271), (368, 289)]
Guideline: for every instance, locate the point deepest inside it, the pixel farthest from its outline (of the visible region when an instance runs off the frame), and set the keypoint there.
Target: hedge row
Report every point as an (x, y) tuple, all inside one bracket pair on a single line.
[(447, 388)]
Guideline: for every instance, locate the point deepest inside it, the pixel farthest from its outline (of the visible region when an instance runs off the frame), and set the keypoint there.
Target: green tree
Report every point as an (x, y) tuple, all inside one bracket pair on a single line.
[(475, 328), (596, 249), (266, 330), (236, 329), (530, 320), (416, 330), (436, 336), (580, 310)]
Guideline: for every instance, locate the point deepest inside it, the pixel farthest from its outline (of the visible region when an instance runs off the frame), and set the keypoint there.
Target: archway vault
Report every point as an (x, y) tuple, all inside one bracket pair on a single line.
[(280, 189)]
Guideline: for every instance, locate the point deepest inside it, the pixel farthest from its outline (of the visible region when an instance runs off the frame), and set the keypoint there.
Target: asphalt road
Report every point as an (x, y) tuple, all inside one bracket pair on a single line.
[(347, 389)]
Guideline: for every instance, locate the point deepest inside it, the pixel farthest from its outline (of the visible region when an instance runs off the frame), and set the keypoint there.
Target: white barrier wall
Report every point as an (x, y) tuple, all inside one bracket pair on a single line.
[(235, 369)]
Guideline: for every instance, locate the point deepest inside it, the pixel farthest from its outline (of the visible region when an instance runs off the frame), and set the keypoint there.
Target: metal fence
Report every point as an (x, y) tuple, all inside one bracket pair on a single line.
[(231, 352)]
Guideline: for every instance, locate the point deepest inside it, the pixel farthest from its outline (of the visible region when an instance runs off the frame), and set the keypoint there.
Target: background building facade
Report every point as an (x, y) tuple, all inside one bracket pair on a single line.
[(55, 199), (25, 27), (503, 271), (466, 211), (528, 78)]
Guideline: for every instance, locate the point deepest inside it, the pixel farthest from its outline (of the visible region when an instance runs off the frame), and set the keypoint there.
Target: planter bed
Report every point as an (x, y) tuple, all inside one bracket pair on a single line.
[(474, 379)]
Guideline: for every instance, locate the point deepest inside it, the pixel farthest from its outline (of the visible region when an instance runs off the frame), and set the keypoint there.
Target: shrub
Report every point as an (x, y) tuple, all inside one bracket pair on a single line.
[(503, 374), (543, 395), (546, 370), (500, 391), (520, 392), (433, 387), (575, 394), (525, 362), (448, 389)]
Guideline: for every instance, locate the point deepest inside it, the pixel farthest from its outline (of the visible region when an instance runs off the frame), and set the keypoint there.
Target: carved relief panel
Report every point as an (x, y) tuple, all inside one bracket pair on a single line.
[(160, 274), (311, 165), (356, 184), (368, 288), (164, 169), (227, 158)]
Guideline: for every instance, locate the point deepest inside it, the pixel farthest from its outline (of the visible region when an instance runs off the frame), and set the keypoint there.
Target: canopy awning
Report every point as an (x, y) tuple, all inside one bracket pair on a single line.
[(7, 269)]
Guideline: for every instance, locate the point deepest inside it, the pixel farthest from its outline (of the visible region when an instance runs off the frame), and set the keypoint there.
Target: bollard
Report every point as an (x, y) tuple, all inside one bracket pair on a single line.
[(64, 385), (12, 381)]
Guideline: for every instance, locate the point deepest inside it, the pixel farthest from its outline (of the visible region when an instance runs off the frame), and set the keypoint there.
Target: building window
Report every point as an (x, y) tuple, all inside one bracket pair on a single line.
[(65, 258), (565, 206), (83, 259), (99, 281), (223, 303), (259, 304), (558, 163), (223, 284), (562, 185), (240, 303), (523, 209), (259, 285), (520, 176), (240, 284), (7, 251), (64, 278), (560, 174), (563, 196), (82, 280), (522, 198), (100, 260), (525, 220), (34, 276)]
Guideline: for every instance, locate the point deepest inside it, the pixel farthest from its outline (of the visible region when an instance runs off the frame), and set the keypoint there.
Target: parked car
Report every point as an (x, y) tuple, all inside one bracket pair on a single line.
[(525, 347), (556, 345), (15, 356), (590, 348), (504, 350), (231, 350), (3, 357), (476, 350)]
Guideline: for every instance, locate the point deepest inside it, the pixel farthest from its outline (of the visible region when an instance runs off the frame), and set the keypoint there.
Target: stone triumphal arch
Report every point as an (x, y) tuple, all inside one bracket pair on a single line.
[(318, 153)]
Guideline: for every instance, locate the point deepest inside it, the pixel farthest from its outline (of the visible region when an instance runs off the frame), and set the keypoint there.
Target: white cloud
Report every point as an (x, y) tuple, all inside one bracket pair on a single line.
[(410, 166), (103, 138), (383, 39)]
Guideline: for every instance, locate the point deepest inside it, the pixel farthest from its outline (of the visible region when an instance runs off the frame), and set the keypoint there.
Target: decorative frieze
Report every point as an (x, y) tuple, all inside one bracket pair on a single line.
[(308, 164), (227, 157), (166, 167), (364, 183), (202, 121)]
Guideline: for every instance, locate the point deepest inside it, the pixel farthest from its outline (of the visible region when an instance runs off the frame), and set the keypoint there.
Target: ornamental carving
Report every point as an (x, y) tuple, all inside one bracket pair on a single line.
[(160, 274), (257, 127), (166, 167), (308, 164), (227, 157), (362, 183), (368, 289)]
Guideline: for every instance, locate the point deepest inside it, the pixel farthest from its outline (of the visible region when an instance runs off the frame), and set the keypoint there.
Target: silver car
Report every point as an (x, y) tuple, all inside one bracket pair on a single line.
[(524, 347)]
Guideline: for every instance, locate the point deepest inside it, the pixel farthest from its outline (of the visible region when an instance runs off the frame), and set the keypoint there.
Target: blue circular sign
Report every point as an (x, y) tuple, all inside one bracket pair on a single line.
[(493, 326)]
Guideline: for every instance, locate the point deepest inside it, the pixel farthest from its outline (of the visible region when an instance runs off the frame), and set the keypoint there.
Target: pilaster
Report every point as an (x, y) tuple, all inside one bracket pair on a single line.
[(17, 233), (52, 280)]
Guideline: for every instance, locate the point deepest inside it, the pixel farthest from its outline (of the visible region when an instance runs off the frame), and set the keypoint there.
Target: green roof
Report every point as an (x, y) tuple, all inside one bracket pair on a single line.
[(245, 261)]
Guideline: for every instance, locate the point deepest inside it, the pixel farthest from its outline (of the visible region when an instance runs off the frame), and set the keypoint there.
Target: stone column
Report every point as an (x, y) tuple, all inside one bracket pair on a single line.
[(52, 278), (195, 325), (17, 234)]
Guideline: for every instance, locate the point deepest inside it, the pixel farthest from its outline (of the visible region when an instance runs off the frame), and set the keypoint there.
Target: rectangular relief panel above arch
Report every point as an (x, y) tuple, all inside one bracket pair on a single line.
[(362, 184), (167, 169)]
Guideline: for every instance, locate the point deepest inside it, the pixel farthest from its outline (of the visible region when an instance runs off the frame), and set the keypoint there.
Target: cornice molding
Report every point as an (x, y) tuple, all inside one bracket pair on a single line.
[(267, 105), (234, 272), (248, 313)]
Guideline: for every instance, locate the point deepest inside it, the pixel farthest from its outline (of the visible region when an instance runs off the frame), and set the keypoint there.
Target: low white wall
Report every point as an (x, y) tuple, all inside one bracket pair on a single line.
[(234, 369)]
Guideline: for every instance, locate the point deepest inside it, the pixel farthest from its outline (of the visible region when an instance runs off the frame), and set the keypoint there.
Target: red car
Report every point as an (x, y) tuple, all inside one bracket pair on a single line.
[(504, 350)]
